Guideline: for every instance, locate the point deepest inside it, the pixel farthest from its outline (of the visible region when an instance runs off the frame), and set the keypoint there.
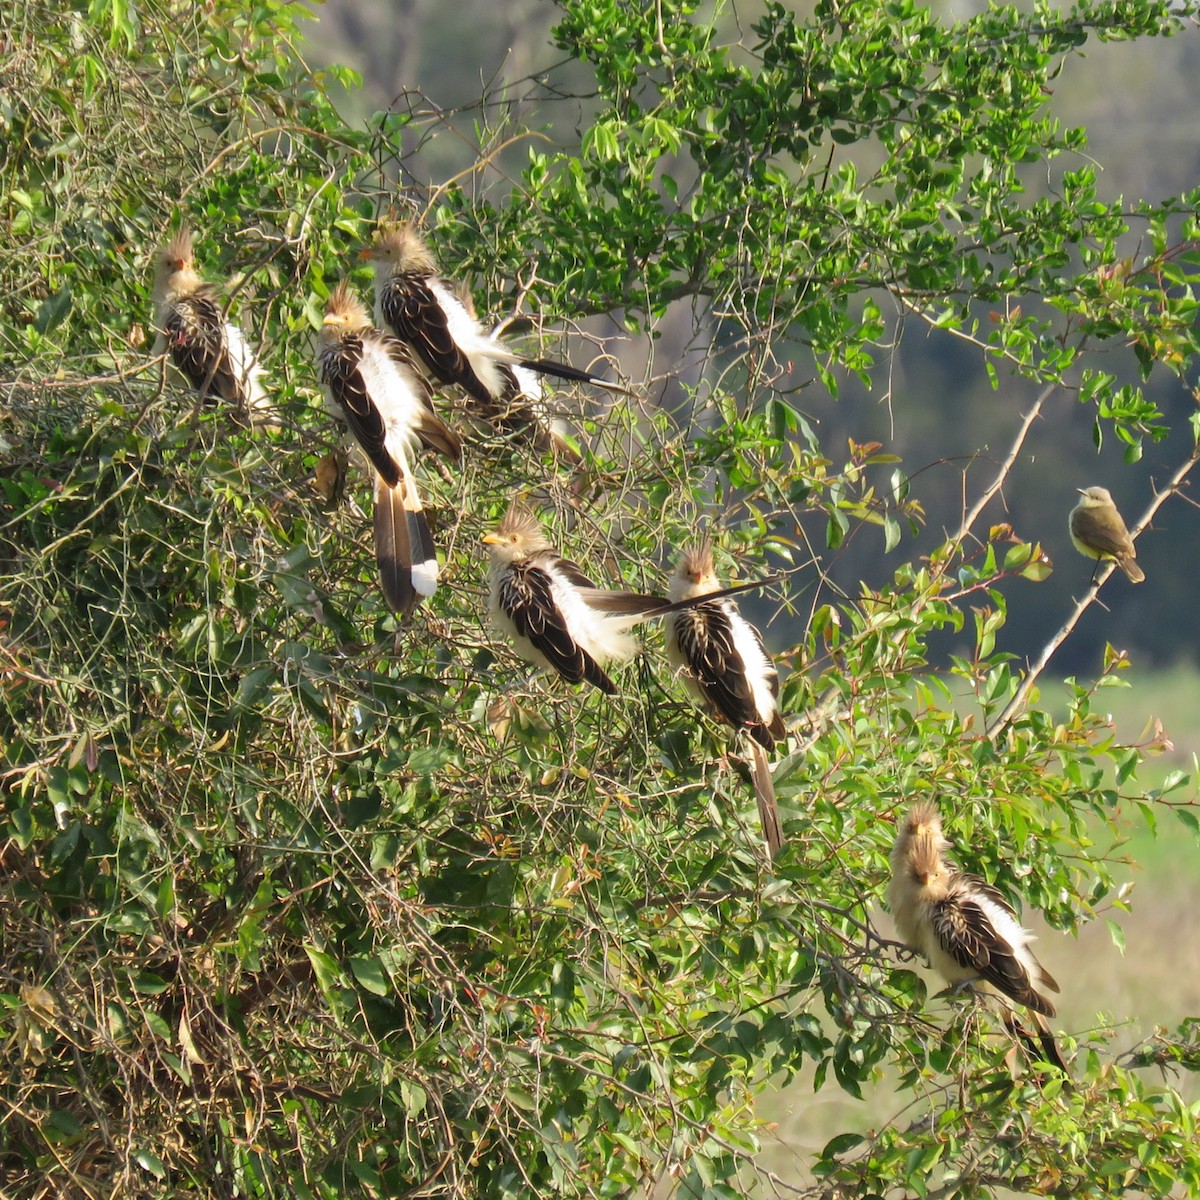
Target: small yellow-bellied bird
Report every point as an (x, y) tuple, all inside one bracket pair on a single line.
[(556, 618), (413, 302), (204, 346), (964, 926), (1098, 532), (725, 666), (388, 405)]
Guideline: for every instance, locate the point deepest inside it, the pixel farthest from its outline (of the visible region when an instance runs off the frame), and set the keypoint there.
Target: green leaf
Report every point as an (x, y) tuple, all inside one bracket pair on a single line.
[(148, 984), (842, 1143), (1116, 933), (326, 968), (149, 1161), (429, 759), (836, 529), (370, 974), (52, 312)]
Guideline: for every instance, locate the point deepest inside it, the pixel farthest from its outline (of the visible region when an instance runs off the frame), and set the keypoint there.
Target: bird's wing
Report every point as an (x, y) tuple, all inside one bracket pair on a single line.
[(705, 637), (622, 604), (414, 312), (341, 373), (194, 329), (993, 895), (574, 573), (1088, 531), (526, 594), (246, 369), (432, 431), (966, 931)]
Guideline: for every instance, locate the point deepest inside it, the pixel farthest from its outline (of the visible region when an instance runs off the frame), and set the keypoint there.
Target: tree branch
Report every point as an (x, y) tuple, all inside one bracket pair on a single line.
[(1006, 466)]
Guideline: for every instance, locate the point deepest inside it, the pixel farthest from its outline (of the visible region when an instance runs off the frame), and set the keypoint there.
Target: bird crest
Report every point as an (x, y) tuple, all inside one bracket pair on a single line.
[(174, 268), (177, 253), (519, 531), (923, 819), (345, 309), (403, 249), (696, 563), (921, 840), (924, 856)]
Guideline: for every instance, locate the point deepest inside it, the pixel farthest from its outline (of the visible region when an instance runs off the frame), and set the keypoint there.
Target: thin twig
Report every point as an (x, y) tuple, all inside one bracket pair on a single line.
[(1002, 472), (1005, 467)]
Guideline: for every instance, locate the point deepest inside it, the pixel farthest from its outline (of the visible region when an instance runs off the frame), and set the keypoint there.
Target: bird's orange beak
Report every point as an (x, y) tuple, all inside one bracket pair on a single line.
[(492, 539)]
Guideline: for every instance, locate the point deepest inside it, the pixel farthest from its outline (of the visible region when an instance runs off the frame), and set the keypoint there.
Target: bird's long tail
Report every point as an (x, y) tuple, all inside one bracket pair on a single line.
[(1132, 570), (524, 409), (644, 608), (1043, 1047), (544, 366), (1050, 1050), (404, 550), (764, 794)]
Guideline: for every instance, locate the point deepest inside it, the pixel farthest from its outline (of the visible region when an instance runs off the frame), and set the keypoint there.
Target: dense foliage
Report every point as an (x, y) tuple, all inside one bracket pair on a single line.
[(298, 902)]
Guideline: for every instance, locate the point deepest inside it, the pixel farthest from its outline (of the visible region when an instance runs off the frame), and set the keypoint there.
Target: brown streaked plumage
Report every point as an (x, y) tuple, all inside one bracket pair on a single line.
[(387, 403), (554, 615), (964, 926), (551, 611), (725, 666), (207, 349), (720, 655), (413, 302)]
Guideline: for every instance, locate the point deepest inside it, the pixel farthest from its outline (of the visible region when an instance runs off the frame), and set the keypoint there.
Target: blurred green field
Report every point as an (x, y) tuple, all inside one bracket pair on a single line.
[(1156, 982)]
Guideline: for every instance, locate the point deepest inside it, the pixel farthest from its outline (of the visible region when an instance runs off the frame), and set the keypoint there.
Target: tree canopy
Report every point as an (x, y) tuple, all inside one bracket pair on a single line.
[(300, 900)]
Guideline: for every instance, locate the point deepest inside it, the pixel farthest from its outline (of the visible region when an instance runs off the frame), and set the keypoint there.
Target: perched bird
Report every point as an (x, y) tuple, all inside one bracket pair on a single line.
[(1099, 532), (387, 403), (554, 615), (207, 349), (719, 654), (725, 666), (414, 303), (965, 927), (523, 406)]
